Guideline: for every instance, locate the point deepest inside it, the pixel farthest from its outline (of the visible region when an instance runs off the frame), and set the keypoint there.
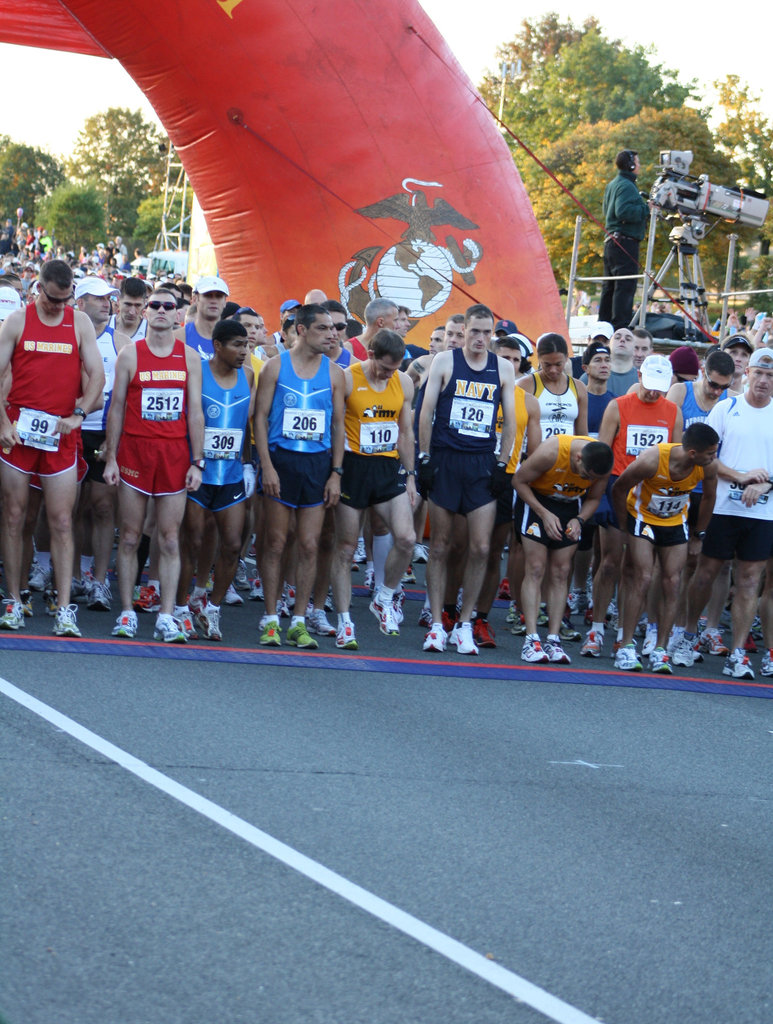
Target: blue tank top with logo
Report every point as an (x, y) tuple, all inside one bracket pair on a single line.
[(302, 410), (226, 415), (198, 342), (692, 413)]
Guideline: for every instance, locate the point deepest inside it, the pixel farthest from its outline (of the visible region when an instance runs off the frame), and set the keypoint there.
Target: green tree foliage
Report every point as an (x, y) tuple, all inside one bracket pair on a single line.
[(123, 157), (148, 225), (571, 76), (27, 174), (75, 215), (584, 162)]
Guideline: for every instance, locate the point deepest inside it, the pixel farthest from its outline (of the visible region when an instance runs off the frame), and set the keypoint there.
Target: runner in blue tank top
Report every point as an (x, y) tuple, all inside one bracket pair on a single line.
[(299, 435), (228, 478), (457, 464)]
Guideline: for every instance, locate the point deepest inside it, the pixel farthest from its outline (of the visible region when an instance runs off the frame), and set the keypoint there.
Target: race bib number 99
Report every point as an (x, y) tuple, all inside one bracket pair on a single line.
[(36, 429), (304, 424), (471, 418), (638, 438), (162, 404), (222, 442)]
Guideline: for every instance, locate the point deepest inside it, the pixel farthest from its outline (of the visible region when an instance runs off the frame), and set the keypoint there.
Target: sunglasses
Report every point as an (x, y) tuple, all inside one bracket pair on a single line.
[(52, 300), (168, 306), (714, 385), (340, 327)]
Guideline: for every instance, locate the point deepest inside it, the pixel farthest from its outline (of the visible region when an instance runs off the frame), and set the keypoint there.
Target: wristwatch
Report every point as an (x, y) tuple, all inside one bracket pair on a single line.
[(199, 464), (337, 469), (80, 412)]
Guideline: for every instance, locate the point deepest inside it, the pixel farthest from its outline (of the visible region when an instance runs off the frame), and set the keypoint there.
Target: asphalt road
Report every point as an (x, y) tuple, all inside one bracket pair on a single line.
[(604, 838)]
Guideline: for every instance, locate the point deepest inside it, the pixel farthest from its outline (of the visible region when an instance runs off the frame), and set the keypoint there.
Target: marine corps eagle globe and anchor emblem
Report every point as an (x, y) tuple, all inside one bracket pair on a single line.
[(417, 272)]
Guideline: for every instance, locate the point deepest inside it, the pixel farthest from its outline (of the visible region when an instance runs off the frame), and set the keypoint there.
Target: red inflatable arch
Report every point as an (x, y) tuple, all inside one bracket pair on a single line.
[(334, 145)]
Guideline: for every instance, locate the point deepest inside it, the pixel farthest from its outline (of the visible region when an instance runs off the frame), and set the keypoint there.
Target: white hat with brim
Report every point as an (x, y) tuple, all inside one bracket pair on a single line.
[(10, 301), (656, 373)]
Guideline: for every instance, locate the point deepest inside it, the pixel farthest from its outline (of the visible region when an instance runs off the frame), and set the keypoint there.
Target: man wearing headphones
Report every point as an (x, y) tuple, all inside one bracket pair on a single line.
[(626, 215)]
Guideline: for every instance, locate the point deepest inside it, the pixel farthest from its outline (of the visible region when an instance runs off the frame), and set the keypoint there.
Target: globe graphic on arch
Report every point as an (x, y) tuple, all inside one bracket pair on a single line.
[(416, 275)]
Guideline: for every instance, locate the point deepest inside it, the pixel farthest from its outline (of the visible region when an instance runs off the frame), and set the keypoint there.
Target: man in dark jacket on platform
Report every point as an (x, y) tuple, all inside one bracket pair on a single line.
[(626, 215)]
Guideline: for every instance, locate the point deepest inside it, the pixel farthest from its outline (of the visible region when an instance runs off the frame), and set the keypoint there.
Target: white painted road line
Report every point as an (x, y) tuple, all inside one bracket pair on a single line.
[(552, 1007)]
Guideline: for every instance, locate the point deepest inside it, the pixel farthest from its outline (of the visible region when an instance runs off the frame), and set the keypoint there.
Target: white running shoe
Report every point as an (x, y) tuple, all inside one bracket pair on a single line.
[(462, 639), (318, 623), (436, 639), (65, 623), (232, 596)]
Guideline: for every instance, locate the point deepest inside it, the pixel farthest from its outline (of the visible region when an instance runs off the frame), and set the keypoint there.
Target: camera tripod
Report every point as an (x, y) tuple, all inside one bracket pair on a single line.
[(684, 240)]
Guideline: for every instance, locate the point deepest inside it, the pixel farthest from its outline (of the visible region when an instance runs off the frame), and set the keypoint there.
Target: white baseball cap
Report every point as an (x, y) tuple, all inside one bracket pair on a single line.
[(656, 373), (211, 284), (93, 285), (761, 357), (602, 329), (10, 301)]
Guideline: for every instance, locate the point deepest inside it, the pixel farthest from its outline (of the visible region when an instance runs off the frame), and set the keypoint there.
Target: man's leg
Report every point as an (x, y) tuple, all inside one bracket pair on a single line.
[(16, 488), (308, 527), (480, 525), (441, 527), (559, 573), (746, 581), (132, 505), (190, 546), (636, 580), (276, 529), (611, 542), (699, 590), (230, 524), (170, 509), (535, 557), (61, 492), (672, 562), (103, 505), (397, 515), (348, 523)]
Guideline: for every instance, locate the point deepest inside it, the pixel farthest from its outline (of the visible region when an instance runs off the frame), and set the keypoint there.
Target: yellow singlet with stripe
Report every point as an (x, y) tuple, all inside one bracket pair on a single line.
[(661, 500), (371, 418), (560, 482)]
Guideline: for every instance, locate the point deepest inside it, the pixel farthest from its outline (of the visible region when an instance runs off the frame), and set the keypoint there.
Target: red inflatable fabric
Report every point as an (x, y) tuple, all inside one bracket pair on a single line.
[(337, 146)]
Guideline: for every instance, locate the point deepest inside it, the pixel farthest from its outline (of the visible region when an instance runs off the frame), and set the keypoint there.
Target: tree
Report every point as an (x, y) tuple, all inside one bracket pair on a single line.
[(572, 76), (27, 174), (123, 157), (74, 214), (746, 135)]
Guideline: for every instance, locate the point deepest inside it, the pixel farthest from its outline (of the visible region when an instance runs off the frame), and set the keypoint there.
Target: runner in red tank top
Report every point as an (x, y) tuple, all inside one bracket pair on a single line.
[(156, 415), (50, 349)]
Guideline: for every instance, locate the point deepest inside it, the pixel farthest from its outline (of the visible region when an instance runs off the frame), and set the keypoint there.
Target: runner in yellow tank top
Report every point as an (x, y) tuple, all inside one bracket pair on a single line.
[(652, 496)]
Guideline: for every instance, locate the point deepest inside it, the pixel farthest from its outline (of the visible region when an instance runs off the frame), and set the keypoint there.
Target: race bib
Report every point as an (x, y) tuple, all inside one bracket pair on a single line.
[(471, 417), (36, 429), (223, 442), (638, 438), (378, 438), (162, 404), (551, 429), (736, 491), (666, 506), (304, 424)]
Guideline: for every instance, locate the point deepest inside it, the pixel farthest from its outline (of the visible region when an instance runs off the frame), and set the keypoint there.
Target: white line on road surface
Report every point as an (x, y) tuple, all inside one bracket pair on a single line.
[(507, 981)]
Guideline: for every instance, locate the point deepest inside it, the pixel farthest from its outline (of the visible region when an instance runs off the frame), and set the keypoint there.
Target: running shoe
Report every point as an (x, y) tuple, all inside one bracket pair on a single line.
[(766, 667), (147, 599), (398, 600), (749, 645), (65, 623), (659, 662), (208, 621), (436, 639), (577, 601), (567, 632), (555, 652), (542, 617), (504, 590), (512, 613), (370, 580), (288, 596), (271, 635), (385, 613), (710, 642), (185, 621), (345, 638), (283, 609), (650, 639), (420, 554), (483, 634), (360, 555), (462, 639), (532, 651), (425, 618), (40, 578), (738, 665), (51, 600), (519, 625), (126, 625), (594, 641), (240, 579), (256, 590), (318, 623), (626, 659), (449, 621), (169, 630), (26, 602), (677, 632), (299, 636), (641, 628), (683, 655), (232, 596), (79, 590), (13, 615), (100, 597), (409, 576)]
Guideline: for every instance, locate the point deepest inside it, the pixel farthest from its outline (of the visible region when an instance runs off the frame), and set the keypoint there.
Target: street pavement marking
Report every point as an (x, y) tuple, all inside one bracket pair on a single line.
[(550, 1006)]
